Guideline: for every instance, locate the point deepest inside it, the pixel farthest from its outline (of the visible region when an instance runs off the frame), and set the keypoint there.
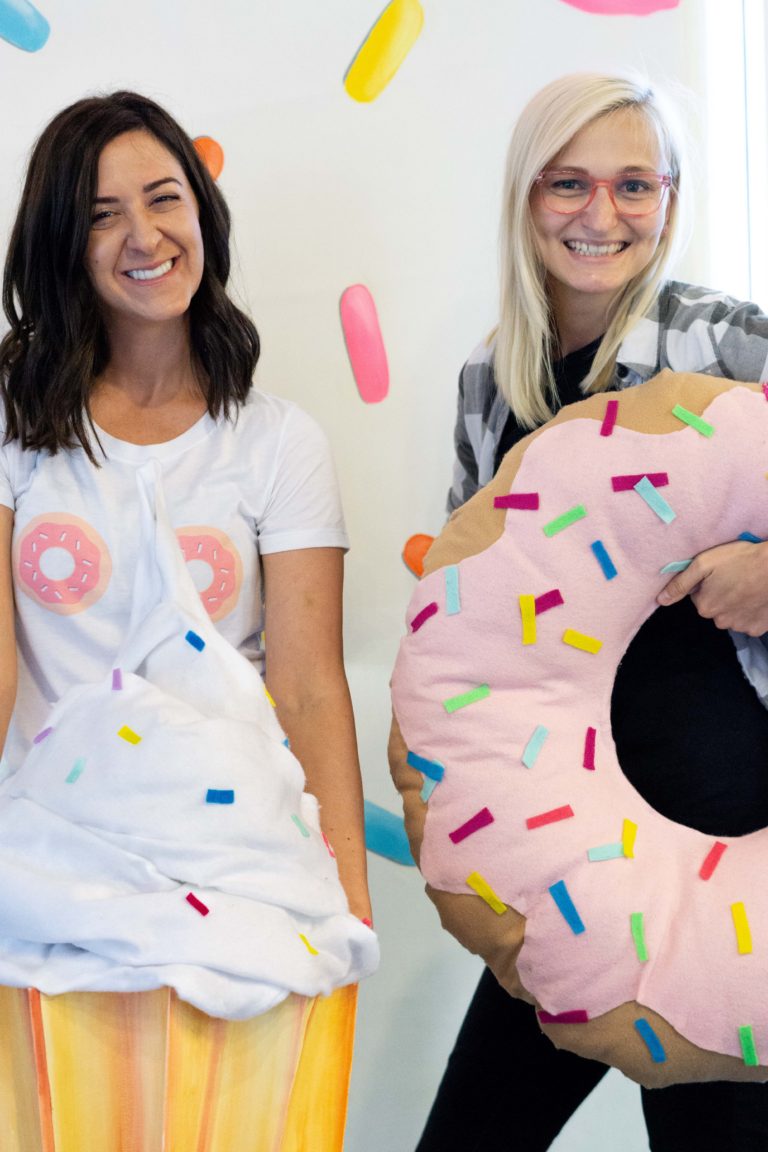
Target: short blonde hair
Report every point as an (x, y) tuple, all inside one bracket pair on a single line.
[(522, 358)]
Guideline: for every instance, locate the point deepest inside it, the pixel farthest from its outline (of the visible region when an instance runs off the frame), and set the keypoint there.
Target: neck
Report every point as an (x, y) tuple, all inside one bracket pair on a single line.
[(150, 364), (580, 317)]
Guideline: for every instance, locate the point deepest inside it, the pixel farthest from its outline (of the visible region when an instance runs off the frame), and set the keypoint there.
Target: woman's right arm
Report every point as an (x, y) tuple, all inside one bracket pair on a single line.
[(7, 627)]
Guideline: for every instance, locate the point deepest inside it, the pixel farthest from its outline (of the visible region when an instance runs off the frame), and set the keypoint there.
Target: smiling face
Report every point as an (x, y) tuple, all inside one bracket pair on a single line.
[(145, 251), (592, 255)]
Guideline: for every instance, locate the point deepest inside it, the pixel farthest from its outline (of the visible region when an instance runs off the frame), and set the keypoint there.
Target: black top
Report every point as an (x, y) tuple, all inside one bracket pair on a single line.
[(690, 732)]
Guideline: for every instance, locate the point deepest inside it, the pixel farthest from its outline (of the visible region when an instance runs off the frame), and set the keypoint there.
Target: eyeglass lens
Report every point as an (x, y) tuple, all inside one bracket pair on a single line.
[(637, 192)]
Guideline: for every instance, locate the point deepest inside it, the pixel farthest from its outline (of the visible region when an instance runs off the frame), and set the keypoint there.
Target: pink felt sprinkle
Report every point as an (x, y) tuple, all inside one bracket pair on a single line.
[(713, 859), (575, 1016), (42, 735), (589, 749), (765, 390), (329, 846), (525, 501), (422, 617), (117, 680), (548, 600), (550, 817), (480, 820), (197, 904), (611, 412), (627, 483)]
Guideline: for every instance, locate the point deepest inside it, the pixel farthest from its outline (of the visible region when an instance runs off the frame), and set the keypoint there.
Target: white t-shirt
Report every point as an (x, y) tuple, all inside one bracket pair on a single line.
[(235, 490)]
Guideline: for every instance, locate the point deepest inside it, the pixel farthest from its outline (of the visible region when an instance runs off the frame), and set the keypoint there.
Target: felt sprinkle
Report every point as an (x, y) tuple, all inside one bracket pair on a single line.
[(603, 559), (551, 817), (560, 522), (765, 390), (300, 825), (430, 768), (605, 852), (427, 790), (628, 835), (522, 501), (480, 820), (651, 1040), (471, 697), (712, 860), (268, 695), (42, 735), (329, 846), (76, 771), (675, 566), (748, 1046), (312, 951), (575, 1016), (452, 595), (654, 501), (692, 420), (611, 412), (197, 904), (528, 616), (582, 642), (484, 890), (741, 924), (117, 680), (588, 760), (129, 735), (562, 898), (638, 935), (220, 796), (534, 746), (627, 483), (547, 600), (750, 538), (422, 617), (195, 640)]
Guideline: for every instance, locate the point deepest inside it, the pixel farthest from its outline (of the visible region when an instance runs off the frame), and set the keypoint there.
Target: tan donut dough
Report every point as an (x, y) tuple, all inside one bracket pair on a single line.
[(498, 939)]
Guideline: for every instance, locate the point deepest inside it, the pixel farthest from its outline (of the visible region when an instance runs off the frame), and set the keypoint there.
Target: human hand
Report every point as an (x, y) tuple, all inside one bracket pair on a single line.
[(728, 585)]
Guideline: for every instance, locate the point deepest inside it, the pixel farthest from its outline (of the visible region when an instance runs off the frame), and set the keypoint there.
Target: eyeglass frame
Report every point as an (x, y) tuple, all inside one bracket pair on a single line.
[(665, 179)]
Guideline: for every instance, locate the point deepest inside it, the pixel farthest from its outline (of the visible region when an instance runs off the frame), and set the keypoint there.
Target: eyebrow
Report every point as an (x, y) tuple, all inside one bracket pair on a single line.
[(619, 171), (153, 184)]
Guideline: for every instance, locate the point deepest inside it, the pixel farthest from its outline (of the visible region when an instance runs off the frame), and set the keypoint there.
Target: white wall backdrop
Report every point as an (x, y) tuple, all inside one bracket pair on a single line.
[(402, 196)]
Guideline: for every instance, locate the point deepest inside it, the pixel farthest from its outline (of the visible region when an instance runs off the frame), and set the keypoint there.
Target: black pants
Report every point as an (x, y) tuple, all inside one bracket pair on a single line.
[(508, 1089)]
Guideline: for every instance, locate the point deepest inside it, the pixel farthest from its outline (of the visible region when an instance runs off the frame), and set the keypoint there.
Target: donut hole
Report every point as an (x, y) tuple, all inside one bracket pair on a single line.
[(201, 573), (57, 563), (691, 734)]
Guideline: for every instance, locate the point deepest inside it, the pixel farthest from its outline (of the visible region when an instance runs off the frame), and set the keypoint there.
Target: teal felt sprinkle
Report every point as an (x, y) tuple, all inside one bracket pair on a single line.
[(428, 789), (675, 566), (567, 518), (652, 1042), (195, 640), (748, 1046), (605, 852), (77, 770), (452, 596), (220, 796), (692, 420), (534, 746), (474, 694), (300, 825), (654, 500)]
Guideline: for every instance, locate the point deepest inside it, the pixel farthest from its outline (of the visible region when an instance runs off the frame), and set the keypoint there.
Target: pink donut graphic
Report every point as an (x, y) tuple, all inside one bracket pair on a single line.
[(62, 563), (204, 545)]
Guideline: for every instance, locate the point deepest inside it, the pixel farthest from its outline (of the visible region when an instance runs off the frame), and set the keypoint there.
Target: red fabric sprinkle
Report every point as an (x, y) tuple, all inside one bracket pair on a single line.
[(197, 904), (527, 501), (627, 483), (611, 412), (550, 817), (480, 820), (713, 859), (589, 749), (548, 600), (423, 616), (576, 1016)]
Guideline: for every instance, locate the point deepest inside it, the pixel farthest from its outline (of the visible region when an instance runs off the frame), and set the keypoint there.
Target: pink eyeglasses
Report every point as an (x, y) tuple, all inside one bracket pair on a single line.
[(631, 193)]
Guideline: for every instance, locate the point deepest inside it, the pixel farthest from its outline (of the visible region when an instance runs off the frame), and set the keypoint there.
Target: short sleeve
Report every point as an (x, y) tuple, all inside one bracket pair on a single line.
[(303, 506), (8, 456)]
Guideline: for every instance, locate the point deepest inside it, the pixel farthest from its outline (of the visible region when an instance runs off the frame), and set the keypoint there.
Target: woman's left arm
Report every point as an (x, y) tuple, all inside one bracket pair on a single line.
[(306, 678), (728, 584)]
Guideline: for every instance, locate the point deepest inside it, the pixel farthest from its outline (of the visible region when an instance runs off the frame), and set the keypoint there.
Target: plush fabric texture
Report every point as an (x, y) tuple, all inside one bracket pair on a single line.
[(555, 926)]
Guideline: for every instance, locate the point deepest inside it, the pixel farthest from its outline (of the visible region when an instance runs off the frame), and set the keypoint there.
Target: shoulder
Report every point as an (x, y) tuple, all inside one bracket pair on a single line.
[(679, 305), (271, 422), (477, 382)]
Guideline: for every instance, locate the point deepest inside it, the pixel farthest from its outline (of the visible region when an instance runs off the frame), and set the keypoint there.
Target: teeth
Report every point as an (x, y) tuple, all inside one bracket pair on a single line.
[(150, 273), (594, 249)]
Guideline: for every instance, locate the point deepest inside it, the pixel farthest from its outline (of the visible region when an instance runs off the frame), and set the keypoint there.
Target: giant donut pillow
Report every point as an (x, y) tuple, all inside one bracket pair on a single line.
[(643, 943)]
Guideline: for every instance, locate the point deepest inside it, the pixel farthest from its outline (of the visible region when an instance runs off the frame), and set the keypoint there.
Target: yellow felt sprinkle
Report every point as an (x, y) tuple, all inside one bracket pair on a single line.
[(312, 951), (628, 834), (483, 889), (128, 734), (579, 640), (268, 695), (528, 614), (741, 924)]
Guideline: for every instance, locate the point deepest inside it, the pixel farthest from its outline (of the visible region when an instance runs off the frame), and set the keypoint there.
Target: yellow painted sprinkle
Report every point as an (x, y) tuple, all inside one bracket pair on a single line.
[(128, 734), (312, 951), (269, 696)]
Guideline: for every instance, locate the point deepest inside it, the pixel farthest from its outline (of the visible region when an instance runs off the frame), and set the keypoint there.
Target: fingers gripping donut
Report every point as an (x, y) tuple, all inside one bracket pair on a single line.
[(215, 565), (644, 943), (61, 562)]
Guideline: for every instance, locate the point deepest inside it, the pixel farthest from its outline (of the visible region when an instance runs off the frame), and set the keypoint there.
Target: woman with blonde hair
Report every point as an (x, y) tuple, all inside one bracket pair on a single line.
[(593, 216)]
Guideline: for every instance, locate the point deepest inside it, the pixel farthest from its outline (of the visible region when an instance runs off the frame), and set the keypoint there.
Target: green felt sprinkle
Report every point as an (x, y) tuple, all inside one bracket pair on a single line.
[(693, 420), (638, 935), (748, 1047), (465, 698), (560, 522)]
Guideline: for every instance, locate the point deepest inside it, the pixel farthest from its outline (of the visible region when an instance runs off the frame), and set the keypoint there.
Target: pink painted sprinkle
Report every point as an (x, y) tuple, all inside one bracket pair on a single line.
[(589, 749), (575, 1016), (712, 860), (480, 820), (117, 680), (627, 483), (42, 735), (329, 846), (422, 617), (548, 600), (550, 817), (523, 501), (609, 420), (197, 904)]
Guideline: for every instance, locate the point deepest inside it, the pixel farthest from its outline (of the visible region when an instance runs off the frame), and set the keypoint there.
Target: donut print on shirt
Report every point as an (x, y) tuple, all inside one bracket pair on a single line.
[(215, 567), (61, 562)]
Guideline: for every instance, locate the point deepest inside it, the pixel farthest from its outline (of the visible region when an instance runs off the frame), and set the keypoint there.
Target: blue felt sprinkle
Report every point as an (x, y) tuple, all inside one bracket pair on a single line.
[(220, 796), (654, 1045), (431, 768), (603, 559), (562, 898), (750, 538), (195, 640), (534, 745)]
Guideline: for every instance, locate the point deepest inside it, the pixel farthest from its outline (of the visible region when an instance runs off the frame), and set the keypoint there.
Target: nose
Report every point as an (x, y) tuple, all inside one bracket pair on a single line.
[(601, 215), (143, 234)]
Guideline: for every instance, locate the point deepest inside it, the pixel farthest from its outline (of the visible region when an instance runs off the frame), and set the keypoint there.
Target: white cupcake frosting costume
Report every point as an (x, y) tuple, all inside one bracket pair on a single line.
[(158, 833), (502, 691)]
